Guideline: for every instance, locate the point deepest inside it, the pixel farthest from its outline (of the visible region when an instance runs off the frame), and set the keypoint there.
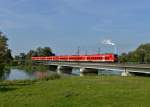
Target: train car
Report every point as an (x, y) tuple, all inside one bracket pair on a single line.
[(76, 58), (102, 58), (81, 58), (63, 58)]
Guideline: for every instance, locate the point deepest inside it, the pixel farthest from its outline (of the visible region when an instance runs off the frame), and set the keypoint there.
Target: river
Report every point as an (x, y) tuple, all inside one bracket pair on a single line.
[(17, 74)]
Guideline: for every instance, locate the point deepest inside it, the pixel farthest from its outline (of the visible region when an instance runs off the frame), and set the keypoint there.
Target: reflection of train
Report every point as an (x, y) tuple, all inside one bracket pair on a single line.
[(81, 58)]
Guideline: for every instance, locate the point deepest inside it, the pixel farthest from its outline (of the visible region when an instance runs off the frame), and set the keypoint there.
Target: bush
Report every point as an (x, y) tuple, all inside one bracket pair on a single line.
[(53, 76)]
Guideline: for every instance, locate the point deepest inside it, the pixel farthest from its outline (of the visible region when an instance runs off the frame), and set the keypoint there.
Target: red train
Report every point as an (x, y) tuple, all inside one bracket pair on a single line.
[(81, 58)]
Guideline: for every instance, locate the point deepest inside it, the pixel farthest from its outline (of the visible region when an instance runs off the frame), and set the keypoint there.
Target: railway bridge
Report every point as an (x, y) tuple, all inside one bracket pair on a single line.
[(125, 69)]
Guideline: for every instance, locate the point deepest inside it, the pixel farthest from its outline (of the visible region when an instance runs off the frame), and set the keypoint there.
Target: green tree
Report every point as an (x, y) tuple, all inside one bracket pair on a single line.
[(30, 54), (147, 58), (143, 53), (8, 56), (46, 51), (26, 58), (22, 58), (3, 50), (140, 55), (123, 58)]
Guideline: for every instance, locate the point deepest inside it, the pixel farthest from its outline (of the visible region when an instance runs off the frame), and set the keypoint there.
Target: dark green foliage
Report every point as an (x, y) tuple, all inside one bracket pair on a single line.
[(5, 53), (53, 76), (8, 57), (45, 51), (32, 68), (123, 57), (25, 59), (17, 82), (140, 55)]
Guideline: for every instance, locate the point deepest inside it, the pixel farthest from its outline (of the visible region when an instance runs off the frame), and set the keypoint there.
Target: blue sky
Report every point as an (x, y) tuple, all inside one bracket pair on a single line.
[(66, 24)]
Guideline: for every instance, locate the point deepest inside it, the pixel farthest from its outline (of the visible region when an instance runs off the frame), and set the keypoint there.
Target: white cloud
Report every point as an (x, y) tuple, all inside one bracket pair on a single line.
[(108, 42)]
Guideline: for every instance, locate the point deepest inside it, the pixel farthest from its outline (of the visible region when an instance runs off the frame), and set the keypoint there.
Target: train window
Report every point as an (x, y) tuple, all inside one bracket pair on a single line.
[(107, 58), (116, 56)]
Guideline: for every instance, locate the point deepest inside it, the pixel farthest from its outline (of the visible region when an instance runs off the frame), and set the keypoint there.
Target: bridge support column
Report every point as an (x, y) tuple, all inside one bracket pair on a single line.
[(88, 71), (64, 69), (125, 72)]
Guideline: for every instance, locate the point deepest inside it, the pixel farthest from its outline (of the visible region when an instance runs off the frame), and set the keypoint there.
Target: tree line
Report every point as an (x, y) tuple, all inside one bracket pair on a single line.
[(5, 52), (140, 55), (25, 58), (6, 57)]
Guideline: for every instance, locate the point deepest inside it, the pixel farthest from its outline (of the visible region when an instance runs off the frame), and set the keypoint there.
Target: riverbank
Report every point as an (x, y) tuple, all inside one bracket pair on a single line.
[(102, 91)]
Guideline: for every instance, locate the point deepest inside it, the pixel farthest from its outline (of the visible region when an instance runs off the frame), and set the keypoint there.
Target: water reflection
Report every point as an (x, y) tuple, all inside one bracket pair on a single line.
[(109, 72), (17, 74), (2, 74)]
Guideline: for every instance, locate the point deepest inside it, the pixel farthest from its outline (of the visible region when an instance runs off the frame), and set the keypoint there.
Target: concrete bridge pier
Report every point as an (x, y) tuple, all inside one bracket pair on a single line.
[(64, 69), (125, 72), (88, 71)]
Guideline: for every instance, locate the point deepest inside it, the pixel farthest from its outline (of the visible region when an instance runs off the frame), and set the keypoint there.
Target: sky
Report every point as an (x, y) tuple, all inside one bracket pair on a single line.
[(65, 25)]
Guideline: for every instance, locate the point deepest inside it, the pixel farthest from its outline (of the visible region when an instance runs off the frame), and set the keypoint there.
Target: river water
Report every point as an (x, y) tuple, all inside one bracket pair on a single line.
[(17, 74)]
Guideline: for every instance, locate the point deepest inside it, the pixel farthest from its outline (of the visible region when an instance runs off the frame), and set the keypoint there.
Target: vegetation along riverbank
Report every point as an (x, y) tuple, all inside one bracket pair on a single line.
[(31, 68)]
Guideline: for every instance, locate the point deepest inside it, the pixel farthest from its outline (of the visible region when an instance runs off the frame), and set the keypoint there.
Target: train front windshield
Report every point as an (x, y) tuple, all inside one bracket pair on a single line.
[(116, 57)]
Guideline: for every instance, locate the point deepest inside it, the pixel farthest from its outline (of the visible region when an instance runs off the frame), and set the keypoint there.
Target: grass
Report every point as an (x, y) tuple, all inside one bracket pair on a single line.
[(105, 91)]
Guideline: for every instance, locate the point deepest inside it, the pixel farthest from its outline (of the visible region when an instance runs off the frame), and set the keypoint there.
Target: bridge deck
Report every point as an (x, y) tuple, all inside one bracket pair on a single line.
[(97, 65), (131, 68)]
